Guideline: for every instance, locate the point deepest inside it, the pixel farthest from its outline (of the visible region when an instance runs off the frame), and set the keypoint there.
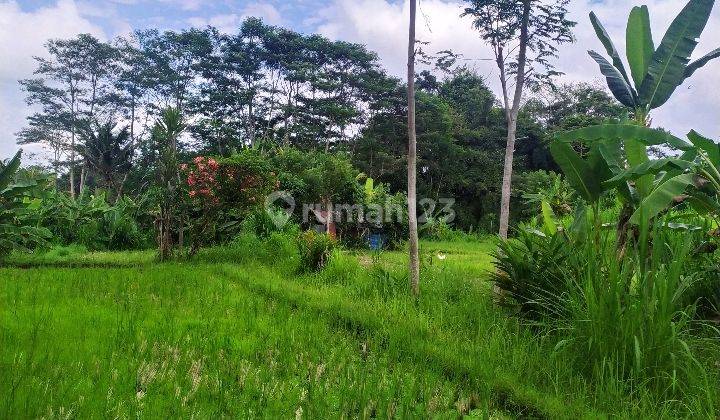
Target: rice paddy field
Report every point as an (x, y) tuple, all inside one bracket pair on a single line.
[(237, 333)]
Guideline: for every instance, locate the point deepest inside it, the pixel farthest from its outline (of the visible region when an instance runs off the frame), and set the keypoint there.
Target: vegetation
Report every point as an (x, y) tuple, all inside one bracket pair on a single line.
[(226, 226)]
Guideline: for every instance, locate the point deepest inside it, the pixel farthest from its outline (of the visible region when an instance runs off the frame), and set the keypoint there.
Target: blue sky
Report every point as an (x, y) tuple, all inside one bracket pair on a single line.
[(25, 25)]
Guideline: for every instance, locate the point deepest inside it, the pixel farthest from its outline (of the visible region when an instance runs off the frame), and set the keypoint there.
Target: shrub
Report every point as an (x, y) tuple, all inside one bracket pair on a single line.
[(94, 223), (220, 193), (533, 274), (263, 223), (538, 186), (315, 250)]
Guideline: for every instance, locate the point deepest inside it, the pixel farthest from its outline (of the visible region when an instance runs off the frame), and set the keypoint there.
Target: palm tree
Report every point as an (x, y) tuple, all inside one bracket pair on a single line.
[(108, 154)]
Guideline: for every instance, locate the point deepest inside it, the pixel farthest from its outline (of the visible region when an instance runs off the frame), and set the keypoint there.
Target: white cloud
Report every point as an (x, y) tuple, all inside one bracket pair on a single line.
[(22, 36), (266, 11), (229, 23), (186, 5), (382, 26), (225, 23)]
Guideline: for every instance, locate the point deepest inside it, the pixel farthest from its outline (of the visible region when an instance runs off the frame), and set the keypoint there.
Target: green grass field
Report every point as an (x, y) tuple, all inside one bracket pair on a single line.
[(235, 333)]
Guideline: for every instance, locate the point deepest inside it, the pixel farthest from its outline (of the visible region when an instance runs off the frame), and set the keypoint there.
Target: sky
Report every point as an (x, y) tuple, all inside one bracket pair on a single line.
[(25, 25)]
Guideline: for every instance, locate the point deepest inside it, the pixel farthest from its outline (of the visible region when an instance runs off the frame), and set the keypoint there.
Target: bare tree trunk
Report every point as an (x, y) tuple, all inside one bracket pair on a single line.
[(72, 164), (251, 123), (414, 267), (507, 178), (512, 117), (83, 175)]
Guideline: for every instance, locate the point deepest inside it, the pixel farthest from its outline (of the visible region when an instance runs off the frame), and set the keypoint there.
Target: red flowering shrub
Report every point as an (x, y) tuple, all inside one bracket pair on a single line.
[(202, 180), (222, 192)]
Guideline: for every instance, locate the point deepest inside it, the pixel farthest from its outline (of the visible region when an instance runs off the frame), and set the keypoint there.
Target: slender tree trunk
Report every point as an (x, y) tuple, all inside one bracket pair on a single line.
[(132, 121), (414, 266), (72, 163), (251, 122), (507, 178), (83, 175), (512, 117)]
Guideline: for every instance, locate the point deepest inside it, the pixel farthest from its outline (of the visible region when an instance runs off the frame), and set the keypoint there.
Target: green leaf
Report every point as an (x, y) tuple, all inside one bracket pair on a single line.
[(636, 154), (707, 145), (697, 64), (640, 46), (667, 68), (652, 167), (577, 171), (611, 50), (703, 204), (7, 173), (648, 136), (548, 218), (660, 198), (369, 188), (617, 84), (580, 224)]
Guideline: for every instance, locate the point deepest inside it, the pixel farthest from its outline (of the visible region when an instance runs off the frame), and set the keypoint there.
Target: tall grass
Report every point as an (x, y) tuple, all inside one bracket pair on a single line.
[(625, 322)]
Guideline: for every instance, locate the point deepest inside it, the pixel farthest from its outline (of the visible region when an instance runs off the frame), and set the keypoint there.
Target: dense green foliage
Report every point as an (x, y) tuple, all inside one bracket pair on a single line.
[(17, 204), (261, 165)]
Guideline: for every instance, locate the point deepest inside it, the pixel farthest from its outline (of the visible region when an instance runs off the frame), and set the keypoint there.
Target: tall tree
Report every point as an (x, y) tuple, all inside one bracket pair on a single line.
[(73, 83), (523, 35), (414, 265)]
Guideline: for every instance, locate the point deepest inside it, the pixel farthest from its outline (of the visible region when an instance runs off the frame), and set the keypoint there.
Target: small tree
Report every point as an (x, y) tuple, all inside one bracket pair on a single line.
[(523, 35), (165, 135)]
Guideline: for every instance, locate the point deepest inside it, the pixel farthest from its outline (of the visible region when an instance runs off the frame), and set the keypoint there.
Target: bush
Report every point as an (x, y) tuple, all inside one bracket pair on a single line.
[(94, 223), (533, 274), (18, 201), (315, 250), (262, 223)]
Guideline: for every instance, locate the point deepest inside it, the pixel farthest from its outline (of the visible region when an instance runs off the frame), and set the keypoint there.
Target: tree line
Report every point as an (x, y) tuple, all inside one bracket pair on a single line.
[(95, 104)]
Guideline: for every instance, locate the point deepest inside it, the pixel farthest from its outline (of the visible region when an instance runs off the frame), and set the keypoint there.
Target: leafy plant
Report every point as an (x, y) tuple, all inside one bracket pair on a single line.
[(533, 273), (17, 200), (656, 72), (108, 155), (315, 250)]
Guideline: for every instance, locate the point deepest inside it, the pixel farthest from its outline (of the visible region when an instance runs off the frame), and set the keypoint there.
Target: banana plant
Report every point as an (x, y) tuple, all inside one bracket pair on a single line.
[(655, 73), (694, 176), (617, 160), (15, 203)]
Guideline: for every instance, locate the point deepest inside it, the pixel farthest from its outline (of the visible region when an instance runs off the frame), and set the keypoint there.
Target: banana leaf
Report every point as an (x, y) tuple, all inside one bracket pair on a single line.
[(622, 91), (707, 145), (652, 167), (667, 68), (661, 197), (577, 171), (611, 50), (697, 64), (7, 173), (640, 46), (648, 136)]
